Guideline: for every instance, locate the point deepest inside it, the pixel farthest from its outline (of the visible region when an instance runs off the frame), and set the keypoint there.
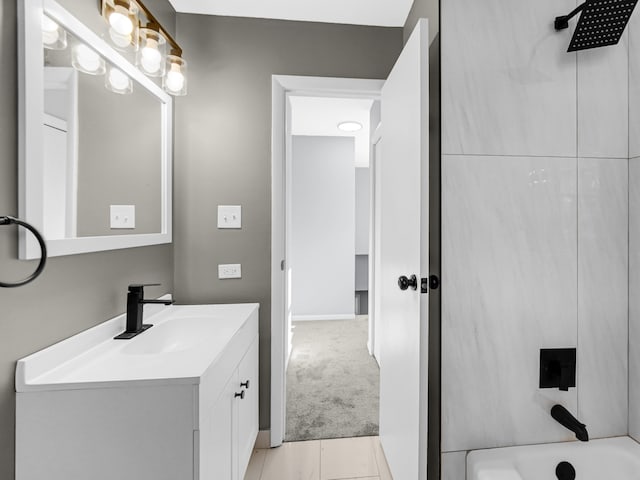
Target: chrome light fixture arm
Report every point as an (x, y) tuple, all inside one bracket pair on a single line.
[(6, 220)]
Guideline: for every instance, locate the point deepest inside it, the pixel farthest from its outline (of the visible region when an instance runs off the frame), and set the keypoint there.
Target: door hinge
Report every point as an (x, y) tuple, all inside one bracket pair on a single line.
[(282, 265), (431, 282)]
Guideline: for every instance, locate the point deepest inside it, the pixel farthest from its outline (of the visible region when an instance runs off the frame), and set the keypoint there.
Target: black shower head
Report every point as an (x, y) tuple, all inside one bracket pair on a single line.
[(601, 24)]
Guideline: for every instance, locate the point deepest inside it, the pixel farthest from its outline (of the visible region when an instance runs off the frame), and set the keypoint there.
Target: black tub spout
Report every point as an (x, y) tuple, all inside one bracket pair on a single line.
[(564, 418)]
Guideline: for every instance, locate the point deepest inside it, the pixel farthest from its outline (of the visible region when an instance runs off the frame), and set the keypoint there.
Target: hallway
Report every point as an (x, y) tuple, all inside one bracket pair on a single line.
[(332, 381)]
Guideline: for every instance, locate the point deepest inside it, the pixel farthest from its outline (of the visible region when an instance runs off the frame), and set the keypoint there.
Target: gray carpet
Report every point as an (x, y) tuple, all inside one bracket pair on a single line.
[(332, 381)]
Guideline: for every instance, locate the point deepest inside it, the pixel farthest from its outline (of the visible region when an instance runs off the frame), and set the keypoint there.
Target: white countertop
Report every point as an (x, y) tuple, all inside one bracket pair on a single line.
[(182, 344)]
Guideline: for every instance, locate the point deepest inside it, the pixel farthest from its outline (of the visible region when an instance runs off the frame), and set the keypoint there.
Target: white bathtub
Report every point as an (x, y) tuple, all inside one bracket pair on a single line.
[(607, 459)]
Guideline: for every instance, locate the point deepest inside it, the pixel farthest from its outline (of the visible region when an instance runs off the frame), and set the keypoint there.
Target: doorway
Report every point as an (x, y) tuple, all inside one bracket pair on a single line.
[(332, 381), (404, 249), (301, 89)]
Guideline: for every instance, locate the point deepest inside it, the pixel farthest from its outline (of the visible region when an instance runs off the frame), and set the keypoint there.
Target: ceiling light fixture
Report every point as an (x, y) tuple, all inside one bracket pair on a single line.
[(350, 126), (53, 37), (152, 40)]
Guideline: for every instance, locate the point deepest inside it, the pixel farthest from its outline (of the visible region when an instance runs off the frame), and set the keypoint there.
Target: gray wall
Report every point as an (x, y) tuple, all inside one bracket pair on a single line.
[(223, 145), (323, 227), (75, 292)]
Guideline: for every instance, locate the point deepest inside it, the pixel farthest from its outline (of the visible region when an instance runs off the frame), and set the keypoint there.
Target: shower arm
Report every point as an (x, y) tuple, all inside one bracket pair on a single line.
[(6, 220), (562, 22)]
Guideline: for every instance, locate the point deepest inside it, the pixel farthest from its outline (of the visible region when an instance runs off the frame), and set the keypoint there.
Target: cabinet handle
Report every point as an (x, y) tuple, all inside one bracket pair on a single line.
[(245, 384), (241, 395)]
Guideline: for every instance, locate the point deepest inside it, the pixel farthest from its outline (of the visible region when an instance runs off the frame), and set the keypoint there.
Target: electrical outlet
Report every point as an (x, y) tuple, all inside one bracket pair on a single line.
[(122, 216), (229, 271)]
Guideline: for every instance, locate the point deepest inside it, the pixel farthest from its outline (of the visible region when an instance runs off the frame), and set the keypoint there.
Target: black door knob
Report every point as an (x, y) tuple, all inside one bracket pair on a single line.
[(241, 395), (245, 384), (404, 282)]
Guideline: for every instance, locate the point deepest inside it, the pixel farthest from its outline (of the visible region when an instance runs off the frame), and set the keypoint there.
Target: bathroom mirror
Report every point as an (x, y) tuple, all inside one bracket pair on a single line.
[(95, 140)]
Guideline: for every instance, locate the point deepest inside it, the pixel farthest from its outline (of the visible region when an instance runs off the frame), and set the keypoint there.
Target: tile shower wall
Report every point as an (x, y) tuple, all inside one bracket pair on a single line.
[(634, 298), (602, 376), (535, 229), (634, 228)]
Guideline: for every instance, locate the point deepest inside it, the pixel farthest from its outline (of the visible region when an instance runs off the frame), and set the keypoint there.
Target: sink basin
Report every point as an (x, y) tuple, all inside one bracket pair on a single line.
[(183, 343), (174, 335)]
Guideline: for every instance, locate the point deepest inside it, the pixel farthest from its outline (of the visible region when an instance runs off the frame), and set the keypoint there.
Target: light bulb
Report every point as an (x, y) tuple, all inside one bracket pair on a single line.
[(121, 41), (150, 57), (120, 21), (175, 79), (118, 79), (87, 60), (53, 37), (50, 31)]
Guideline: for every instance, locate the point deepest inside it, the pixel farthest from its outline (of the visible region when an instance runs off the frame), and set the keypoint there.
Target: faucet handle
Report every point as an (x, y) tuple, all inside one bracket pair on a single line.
[(139, 287)]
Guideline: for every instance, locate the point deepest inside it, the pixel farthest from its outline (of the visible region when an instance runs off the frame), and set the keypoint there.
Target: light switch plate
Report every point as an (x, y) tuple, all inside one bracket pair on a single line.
[(230, 271), (229, 216), (122, 216)]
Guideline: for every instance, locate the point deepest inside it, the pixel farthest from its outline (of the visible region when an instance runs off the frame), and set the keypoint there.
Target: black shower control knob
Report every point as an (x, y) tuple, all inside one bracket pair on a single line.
[(245, 384), (241, 395), (404, 283)]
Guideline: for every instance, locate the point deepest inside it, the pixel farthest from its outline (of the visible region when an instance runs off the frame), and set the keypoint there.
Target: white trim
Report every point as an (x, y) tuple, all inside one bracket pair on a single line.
[(374, 241), (31, 101), (281, 86), (310, 318)]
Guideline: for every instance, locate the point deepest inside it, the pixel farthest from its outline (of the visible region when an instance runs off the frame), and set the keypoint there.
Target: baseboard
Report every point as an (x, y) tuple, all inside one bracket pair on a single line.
[(264, 439), (307, 318)]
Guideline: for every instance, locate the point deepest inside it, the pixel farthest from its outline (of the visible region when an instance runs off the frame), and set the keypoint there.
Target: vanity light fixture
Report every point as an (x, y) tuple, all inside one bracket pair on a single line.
[(175, 80), (122, 17), (53, 37), (151, 55), (150, 42), (350, 126), (87, 60), (117, 81)]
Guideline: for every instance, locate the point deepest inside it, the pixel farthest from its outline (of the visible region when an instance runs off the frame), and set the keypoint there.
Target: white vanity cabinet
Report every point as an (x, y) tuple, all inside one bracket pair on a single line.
[(174, 405), (248, 408), (229, 425)]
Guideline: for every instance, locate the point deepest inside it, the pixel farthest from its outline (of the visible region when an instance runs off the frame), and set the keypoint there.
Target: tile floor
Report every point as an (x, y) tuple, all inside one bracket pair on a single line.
[(339, 459)]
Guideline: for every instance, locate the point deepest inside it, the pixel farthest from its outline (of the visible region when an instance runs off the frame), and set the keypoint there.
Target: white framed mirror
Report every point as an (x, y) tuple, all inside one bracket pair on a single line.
[(95, 140)]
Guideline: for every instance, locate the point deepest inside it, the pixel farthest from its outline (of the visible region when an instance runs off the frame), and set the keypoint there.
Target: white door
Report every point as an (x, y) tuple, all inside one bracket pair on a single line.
[(405, 252)]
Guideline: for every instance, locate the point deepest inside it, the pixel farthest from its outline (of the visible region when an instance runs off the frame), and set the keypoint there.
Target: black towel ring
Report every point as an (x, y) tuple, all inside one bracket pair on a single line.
[(43, 257)]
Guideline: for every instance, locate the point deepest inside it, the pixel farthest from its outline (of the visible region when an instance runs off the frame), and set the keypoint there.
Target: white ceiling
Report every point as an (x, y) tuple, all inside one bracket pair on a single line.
[(386, 13), (320, 116)]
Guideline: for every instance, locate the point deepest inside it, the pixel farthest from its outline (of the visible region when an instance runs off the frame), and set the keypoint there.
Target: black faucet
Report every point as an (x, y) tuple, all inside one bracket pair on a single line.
[(564, 418), (135, 304)]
